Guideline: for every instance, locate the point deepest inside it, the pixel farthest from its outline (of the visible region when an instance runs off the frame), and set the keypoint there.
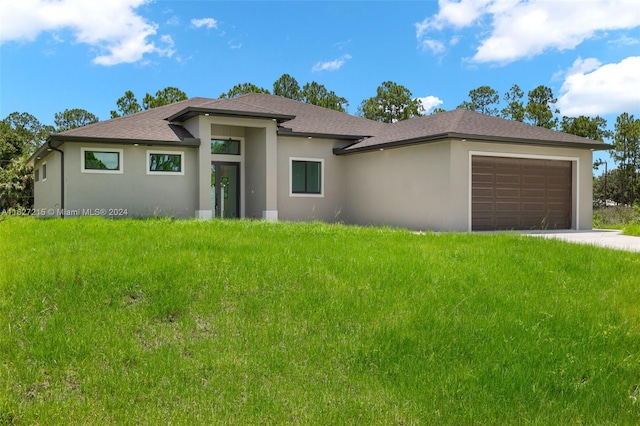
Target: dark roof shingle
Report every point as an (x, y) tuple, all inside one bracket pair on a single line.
[(467, 124), (301, 118)]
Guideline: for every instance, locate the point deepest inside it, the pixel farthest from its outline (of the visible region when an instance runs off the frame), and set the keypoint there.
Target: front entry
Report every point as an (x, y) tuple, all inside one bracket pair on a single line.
[(225, 189)]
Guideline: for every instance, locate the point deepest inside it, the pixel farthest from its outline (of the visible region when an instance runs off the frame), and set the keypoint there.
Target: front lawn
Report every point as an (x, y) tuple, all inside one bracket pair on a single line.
[(250, 322)]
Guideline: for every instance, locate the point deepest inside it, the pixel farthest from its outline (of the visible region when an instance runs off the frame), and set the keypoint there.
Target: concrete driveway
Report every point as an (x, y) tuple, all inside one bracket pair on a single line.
[(597, 237)]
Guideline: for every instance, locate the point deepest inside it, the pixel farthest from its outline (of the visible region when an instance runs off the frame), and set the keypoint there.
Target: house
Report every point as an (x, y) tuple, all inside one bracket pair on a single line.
[(268, 157)]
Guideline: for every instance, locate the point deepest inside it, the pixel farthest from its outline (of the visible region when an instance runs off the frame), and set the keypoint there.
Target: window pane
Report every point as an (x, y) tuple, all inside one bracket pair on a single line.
[(313, 177), (219, 146), (306, 177), (96, 160), (298, 177), (44, 171), (165, 163)]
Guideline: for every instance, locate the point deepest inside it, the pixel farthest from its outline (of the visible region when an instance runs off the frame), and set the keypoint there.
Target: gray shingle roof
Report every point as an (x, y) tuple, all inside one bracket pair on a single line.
[(300, 118), (311, 119), (149, 125), (463, 123)]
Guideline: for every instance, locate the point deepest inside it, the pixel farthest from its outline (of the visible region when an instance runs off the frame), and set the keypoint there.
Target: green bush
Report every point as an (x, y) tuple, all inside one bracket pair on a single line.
[(616, 217)]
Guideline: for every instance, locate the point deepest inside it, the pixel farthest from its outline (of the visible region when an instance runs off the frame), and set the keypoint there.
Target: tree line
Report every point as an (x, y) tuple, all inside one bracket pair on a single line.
[(22, 133)]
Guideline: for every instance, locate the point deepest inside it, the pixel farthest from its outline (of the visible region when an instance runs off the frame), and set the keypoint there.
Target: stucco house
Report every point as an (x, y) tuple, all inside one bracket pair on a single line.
[(264, 156)]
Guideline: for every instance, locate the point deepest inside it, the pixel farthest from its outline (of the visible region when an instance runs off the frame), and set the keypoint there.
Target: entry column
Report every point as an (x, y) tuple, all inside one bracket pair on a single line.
[(271, 178), (204, 169)]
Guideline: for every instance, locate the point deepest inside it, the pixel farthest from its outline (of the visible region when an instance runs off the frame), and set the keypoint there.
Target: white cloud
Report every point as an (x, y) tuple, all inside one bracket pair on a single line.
[(174, 20), (204, 22), (234, 44), (455, 13), (521, 29), (625, 41), (591, 89), (331, 65), (429, 103), (113, 28), (434, 45)]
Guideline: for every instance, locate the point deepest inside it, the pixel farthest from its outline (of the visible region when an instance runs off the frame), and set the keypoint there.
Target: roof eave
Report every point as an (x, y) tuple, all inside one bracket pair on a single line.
[(58, 140), (593, 145), (282, 132), (190, 112)]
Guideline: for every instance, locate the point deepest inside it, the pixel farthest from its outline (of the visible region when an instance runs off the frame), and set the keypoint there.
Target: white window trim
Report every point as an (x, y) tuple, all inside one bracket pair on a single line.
[(43, 178), (160, 173), (297, 194), (110, 150), (574, 160)]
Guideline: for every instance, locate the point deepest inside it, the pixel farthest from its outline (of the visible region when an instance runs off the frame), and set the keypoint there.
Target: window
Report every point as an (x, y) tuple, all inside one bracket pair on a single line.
[(307, 177), (165, 163), (229, 146), (37, 178), (101, 161), (44, 171)]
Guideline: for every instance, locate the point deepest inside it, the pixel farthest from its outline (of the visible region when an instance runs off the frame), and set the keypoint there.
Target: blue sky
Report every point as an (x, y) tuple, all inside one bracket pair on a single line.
[(85, 54)]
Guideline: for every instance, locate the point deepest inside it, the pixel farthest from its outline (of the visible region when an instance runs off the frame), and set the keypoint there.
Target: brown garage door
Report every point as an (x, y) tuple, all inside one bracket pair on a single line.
[(520, 193)]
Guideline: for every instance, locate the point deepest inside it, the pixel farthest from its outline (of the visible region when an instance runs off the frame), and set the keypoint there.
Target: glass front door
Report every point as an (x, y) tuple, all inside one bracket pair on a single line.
[(225, 190)]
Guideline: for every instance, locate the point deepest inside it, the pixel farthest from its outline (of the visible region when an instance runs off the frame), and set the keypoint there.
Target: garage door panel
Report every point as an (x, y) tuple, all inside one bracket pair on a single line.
[(532, 193), (513, 193), (533, 180), (502, 206), (482, 178), (509, 179), (484, 207), (534, 207), (483, 192), (507, 192)]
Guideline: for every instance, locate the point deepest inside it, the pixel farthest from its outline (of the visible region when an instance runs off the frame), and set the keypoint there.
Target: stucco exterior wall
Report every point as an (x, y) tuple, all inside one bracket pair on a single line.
[(330, 207), (429, 186), (133, 190), (47, 195), (406, 187), (255, 173)]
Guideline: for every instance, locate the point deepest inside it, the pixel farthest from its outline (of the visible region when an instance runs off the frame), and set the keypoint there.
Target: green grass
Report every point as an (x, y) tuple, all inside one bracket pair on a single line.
[(241, 322), (632, 229)]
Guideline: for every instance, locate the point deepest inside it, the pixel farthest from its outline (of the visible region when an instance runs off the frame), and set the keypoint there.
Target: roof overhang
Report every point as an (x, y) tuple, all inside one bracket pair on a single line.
[(190, 112), (55, 141), (283, 131), (592, 145)]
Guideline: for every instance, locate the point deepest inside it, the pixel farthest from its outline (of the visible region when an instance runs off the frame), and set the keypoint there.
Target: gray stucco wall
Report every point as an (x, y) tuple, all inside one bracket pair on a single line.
[(255, 172), (406, 187), (328, 208), (429, 186), (140, 194), (47, 191)]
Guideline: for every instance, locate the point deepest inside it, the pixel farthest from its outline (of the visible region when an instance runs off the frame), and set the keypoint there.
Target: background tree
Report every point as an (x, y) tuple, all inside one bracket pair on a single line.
[(242, 89), (316, 94), (27, 133), (481, 100), (587, 127), (515, 107), (127, 105), (20, 135), (16, 184), (166, 96), (438, 110), (392, 103), (540, 108), (626, 152), (72, 118), (287, 87)]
